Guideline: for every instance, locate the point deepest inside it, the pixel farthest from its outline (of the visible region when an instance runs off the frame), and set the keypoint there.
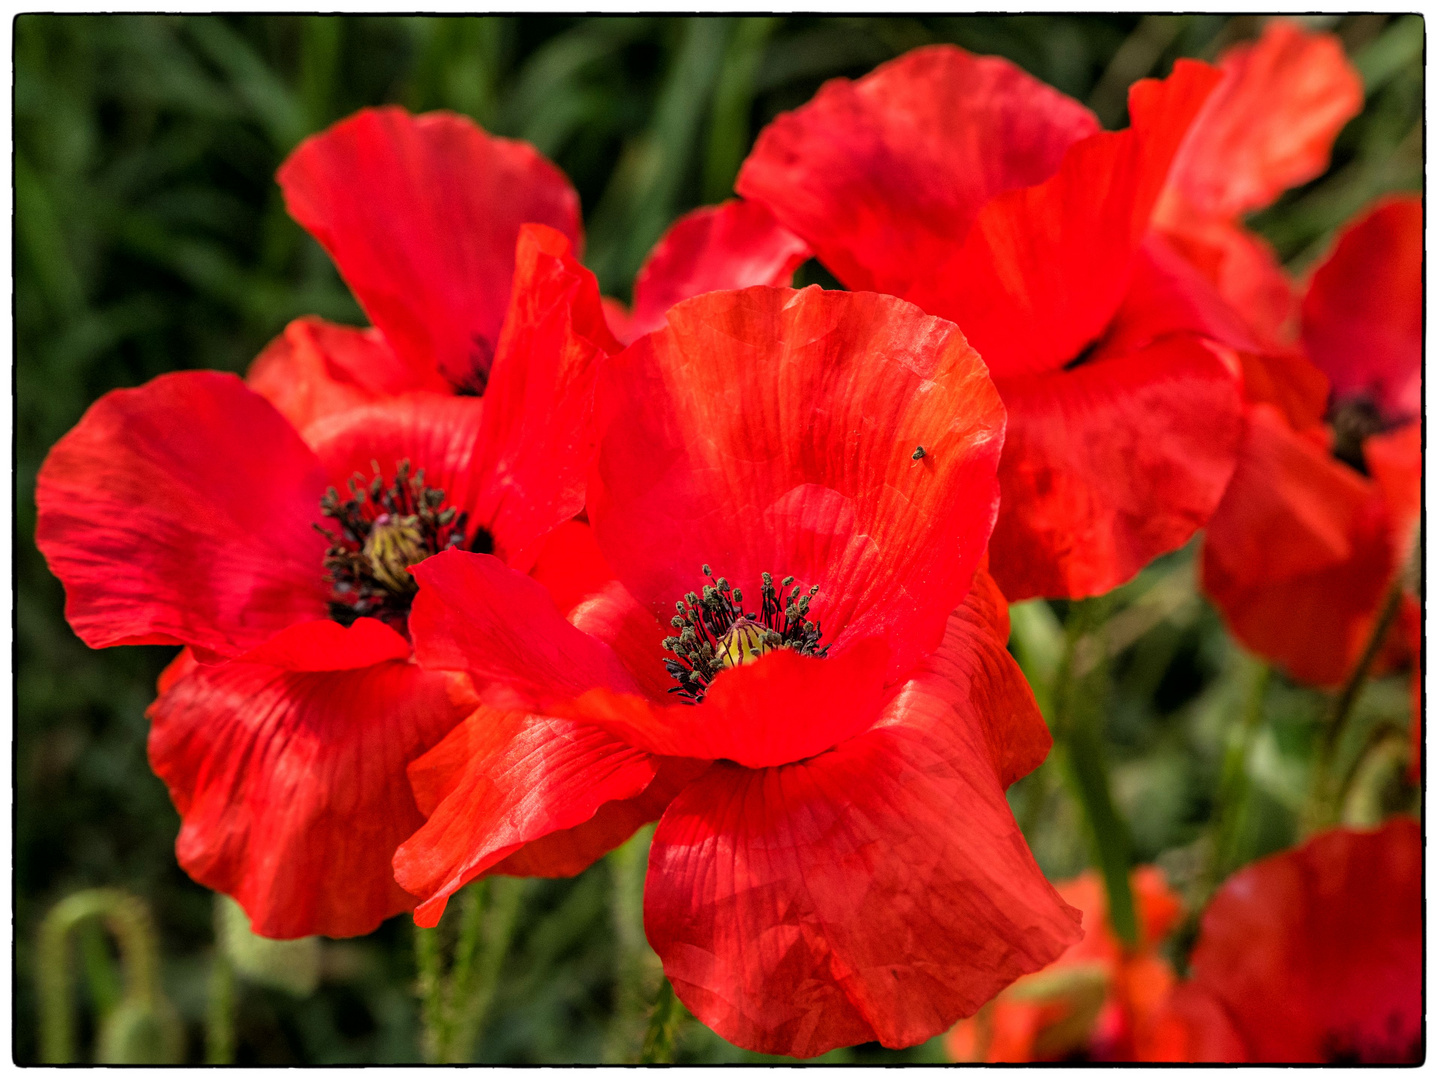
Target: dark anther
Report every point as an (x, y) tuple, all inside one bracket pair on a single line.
[(1353, 421), (475, 381), (715, 632), (1084, 356), (380, 533), (919, 453)]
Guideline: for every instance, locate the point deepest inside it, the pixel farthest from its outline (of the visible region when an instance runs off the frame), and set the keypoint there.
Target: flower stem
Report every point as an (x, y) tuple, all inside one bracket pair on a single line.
[(454, 1003), (1321, 806), (1233, 780), (1077, 728), (637, 971), (665, 1019), (220, 1009)]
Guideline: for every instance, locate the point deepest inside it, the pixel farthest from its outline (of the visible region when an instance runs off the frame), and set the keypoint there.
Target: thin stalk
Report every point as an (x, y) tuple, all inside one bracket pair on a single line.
[(637, 970), (665, 1019), (220, 1009), (1320, 808), (1077, 725), (475, 985), (430, 990), (1233, 780)]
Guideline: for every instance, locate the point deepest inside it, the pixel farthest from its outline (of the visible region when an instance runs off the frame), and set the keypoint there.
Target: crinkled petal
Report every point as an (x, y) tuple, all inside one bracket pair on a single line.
[(291, 785), (1363, 314), (537, 437), (769, 430), (1316, 953), (1044, 268), (884, 175), (1111, 464), (503, 779), (181, 512), (1298, 553), (1271, 122), (877, 891), (420, 214), (316, 368), (729, 246)]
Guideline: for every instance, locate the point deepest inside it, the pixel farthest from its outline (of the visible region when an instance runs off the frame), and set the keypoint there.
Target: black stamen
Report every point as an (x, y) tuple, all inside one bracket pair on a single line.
[(715, 632), (382, 531)]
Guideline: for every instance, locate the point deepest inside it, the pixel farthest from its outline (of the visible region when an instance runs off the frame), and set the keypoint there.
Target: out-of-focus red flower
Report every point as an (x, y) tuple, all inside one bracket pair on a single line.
[(1097, 1002), (1269, 126), (965, 186), (185, 512), (1317, 520), (1311, 955), (433, 270), (794, 491)]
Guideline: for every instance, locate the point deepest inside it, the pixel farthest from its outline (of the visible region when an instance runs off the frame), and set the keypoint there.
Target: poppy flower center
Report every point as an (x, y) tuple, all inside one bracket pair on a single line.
[(382, 532), (1353, 421), (715, 633)]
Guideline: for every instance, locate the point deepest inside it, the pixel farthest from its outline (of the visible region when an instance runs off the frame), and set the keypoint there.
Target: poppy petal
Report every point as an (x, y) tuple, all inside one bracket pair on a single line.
[(537, 437), (1316, 953), (780, 708), (571, 566), (474, 614), (880, 890), (511, 778), (1044, 268), (1363, 315), (420, 214), (1270, 123), (433, 432), (729, 246), (1297, 555), (1240, 264), (291, 785), (884, 175), (1110, 464), (316, 368), (181, 512), (773, 430)]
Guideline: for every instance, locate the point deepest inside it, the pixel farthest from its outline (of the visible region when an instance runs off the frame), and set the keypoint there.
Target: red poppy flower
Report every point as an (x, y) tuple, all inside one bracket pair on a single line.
[(185, 512), (1269, 126), (832, 702), (1312, 955), (1097, 1001), (729, 246), (433, 272), (965, 186), (1307, 538)]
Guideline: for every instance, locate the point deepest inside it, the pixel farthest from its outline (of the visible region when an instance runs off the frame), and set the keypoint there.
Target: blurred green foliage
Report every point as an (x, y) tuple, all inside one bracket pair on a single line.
[(150, 236)]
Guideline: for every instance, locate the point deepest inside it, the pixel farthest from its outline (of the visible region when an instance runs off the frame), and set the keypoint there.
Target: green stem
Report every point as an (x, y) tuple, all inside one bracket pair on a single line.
[(128, 919), (220, 1009), (1077, 728), (665, 1019), (429, 988), (1233, 780), (1321, 807), (475, 983)]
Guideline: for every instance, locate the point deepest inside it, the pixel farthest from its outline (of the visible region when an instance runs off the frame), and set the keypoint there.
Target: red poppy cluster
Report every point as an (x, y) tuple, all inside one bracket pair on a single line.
[(489, 585)]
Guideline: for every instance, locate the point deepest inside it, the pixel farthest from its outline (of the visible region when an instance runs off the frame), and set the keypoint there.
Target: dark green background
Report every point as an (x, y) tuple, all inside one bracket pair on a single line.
[(149, 236)]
